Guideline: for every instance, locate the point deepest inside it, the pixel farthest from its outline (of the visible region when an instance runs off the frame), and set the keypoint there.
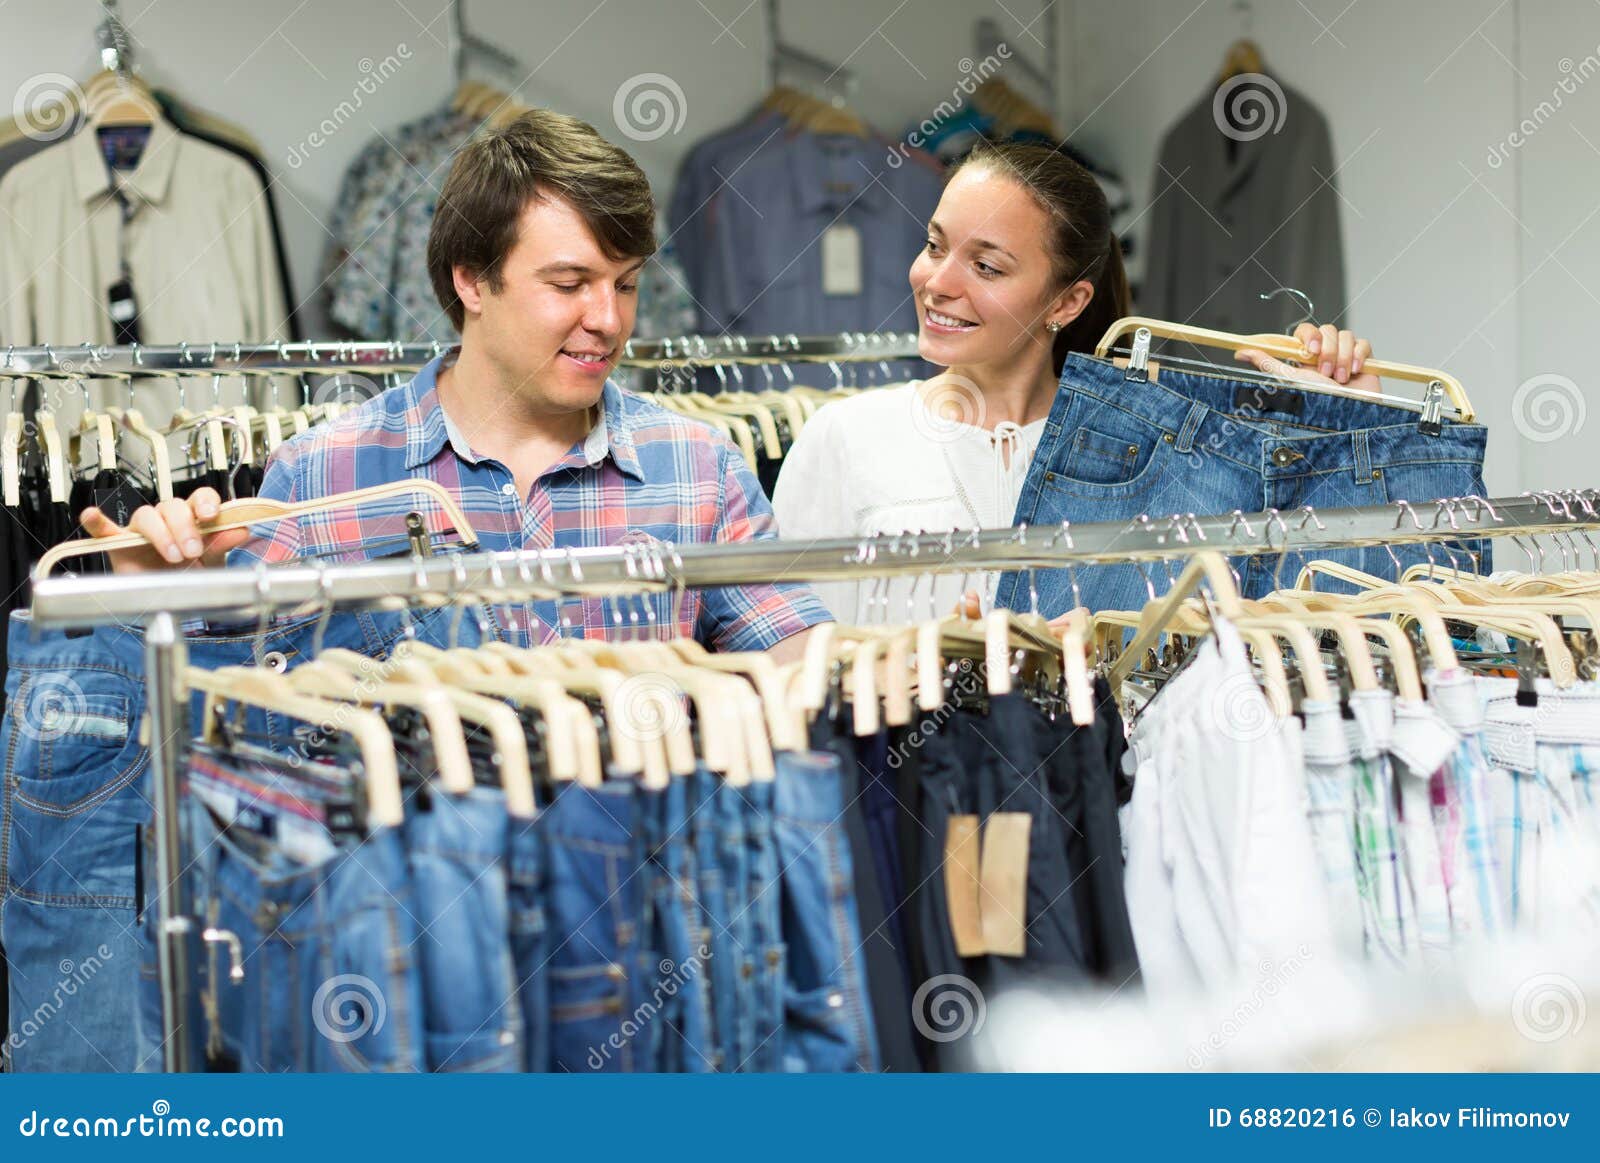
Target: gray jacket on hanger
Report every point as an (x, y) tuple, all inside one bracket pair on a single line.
[(1235, 218)]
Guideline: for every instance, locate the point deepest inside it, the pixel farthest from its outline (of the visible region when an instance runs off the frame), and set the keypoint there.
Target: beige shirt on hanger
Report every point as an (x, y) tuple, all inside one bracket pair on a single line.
[(199, 246)]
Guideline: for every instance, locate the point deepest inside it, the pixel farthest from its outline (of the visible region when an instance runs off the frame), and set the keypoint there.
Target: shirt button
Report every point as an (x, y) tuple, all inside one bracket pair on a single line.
[(508, 489)]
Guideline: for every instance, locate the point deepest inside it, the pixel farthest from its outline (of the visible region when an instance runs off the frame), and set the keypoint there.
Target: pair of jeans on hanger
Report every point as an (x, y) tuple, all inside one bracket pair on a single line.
[(74, 791), (1116, 448)]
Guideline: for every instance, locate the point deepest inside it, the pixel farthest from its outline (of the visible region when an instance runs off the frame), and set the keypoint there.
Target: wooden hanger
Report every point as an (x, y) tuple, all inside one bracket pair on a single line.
[(1243, 56), (244, 513), (55, 457), (572, 752), (327, 678), (259, 687), (786, 725), (11, 451), (114, 99), (1285, 348), (1381, 597)]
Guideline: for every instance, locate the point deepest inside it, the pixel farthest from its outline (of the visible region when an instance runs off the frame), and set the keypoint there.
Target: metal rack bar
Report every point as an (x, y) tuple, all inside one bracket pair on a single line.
[(160, 599), (90, 360), (391, 584)]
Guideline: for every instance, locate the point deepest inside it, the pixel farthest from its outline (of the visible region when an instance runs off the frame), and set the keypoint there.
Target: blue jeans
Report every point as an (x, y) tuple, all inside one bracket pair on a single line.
[(733, 852), (601, 920), (827, 1025), (527, 883), (767, 931), (331, 979), (1113, 450), (74, 790), (718, 933), (680, 989), (456, 847)]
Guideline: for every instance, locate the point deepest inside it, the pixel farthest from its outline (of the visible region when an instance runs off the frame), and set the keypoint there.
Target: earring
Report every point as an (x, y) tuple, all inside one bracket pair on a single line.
[(1052, 327)]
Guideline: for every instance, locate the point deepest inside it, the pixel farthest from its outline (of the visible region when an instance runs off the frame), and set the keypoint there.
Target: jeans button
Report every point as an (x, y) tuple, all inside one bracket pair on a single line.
[(275, 661), (1281, 456)]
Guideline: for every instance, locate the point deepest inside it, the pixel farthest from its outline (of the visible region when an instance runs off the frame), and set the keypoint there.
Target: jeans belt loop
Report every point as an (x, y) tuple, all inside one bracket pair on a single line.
[(1362, 454), (1191, 425)]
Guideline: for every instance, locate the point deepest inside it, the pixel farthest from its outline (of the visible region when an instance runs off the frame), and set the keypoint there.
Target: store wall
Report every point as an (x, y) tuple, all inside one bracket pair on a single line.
[(281, 68)]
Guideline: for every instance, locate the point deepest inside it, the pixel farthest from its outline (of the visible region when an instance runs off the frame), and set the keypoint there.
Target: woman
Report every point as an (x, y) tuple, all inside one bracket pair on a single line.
[(1020, 268)]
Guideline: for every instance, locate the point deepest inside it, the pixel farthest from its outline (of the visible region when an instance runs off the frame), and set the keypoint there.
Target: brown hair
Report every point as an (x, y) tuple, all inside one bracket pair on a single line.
[(539, 155), (1082, 243)]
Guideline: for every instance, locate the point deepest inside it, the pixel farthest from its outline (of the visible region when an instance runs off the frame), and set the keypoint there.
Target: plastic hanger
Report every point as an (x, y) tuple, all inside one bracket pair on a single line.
[(242, 514), (1286, 348), (259, 687)]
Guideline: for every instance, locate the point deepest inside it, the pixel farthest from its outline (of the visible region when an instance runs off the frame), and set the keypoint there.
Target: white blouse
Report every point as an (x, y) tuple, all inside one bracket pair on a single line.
[(882, 462)]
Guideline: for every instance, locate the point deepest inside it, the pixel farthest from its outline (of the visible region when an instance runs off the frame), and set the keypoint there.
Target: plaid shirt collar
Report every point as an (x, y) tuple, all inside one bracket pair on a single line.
[(428, 429)]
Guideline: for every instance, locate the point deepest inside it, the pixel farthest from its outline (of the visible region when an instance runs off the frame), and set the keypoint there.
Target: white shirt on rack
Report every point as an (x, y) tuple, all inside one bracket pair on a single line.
[(882, 463)]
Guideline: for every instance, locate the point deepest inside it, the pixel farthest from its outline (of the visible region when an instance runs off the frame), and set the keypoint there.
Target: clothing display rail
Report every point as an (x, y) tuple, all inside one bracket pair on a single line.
[(162, 601), (91, 360)]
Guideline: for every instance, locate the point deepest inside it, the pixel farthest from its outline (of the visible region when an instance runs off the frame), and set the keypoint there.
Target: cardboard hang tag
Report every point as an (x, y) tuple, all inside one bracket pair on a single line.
[(1004, 883), (841, 260), (961, 884)]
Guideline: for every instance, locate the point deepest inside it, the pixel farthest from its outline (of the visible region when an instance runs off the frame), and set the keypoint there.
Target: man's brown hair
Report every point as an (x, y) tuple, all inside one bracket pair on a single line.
[(539, 155)]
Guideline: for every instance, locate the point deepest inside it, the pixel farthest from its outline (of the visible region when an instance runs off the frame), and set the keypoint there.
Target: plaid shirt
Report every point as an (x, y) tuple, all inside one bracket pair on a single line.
[(643, 473)]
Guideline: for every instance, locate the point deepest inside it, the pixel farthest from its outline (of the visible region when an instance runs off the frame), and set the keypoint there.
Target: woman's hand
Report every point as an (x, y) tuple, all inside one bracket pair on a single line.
[(1340, 359)]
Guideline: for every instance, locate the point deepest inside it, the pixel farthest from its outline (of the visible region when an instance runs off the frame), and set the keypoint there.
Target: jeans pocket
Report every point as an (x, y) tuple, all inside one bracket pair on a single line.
[(587, 1027), (816, 1032), (74, 738)]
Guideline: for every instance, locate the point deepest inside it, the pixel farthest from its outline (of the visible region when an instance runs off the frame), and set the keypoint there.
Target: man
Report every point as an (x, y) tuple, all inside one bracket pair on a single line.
[(535, 251)]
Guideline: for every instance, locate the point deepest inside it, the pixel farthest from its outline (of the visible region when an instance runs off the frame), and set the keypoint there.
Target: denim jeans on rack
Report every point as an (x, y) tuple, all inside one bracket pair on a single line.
[(767, 927), (679, 986), (75, 788), (456, 848), (723, 972), (733, 851), (527, 877), (1114, 449), (602, 1018), (331, 981), (827, 1023)]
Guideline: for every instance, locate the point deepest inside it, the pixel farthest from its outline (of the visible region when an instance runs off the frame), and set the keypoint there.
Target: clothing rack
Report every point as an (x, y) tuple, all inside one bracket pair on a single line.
[(161, 600), (90, 360)]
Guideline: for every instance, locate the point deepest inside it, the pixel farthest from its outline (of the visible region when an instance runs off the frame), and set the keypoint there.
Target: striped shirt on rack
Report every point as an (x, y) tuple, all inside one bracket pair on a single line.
[(642, 474)]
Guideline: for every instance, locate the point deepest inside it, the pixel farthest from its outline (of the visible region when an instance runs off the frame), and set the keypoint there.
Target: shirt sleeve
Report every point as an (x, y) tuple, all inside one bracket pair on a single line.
[(747, 618), (810, 502), (277, 541)]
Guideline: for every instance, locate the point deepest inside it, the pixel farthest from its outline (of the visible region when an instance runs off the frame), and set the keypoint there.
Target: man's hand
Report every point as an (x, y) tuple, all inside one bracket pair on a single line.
[(1340, 358), (172, 530)]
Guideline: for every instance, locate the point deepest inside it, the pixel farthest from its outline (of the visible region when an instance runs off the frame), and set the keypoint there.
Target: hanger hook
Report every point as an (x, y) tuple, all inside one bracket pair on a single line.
[(324, 588), (1300, 297), (264, 613)]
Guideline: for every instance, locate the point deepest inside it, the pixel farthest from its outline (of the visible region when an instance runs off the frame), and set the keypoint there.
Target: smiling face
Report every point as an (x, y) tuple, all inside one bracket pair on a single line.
[(985, 286), (563, 308)]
